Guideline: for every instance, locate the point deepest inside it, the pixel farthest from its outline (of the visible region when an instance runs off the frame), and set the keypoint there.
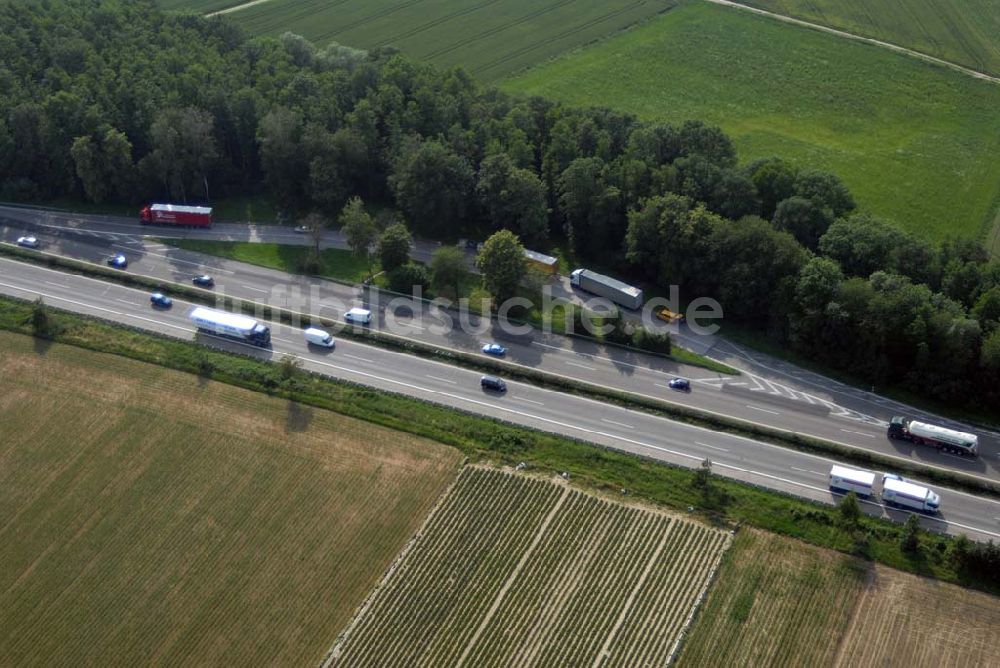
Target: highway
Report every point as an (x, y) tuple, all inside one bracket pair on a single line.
[(611, 426), (785, 398)]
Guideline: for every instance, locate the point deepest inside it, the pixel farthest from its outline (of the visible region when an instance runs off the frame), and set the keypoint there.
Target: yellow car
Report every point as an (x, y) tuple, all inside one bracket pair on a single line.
[(666, 315)]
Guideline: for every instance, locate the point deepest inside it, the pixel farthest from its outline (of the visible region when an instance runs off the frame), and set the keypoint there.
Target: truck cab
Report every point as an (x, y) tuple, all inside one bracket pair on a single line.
[(897, 427)]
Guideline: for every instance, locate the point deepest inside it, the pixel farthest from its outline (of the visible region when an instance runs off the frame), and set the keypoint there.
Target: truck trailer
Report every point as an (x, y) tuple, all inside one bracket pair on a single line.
[(899, 492), (846, 480), (949, 440), (176, 214), (620, 293), (231, 325)]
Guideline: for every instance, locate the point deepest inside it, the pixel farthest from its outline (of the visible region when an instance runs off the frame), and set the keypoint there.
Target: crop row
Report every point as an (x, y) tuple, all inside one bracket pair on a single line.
[(462, 557), (515, 571)]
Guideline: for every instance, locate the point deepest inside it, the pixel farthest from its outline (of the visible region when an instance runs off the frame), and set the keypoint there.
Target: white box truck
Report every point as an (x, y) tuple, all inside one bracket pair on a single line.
[(231, 325), (360, 316), (620, 293), (899, 492), (318, 337), (846, 480)]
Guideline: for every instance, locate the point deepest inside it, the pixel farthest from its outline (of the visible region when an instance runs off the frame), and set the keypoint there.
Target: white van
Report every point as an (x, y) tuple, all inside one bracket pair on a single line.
[(360, 316), (318, 337), (845, 480)]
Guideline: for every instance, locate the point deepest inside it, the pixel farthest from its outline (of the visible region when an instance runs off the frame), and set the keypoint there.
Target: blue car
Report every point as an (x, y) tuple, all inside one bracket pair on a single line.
[(160, 300), (494, 349), (117, 261), (203, 281), (682, 384)]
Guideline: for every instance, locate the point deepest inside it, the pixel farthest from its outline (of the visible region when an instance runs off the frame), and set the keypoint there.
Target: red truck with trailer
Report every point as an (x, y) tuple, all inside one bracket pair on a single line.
[(179, 215)]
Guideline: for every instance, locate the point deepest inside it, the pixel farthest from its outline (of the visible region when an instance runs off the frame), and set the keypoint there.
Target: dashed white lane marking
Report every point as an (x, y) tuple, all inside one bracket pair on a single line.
[(530, 401), (859, 433), (796, 468), (126, 301), (443, 380), (714, 447), (582, 366), (360, 359), (617, 424), (250, 287), (763, 410)]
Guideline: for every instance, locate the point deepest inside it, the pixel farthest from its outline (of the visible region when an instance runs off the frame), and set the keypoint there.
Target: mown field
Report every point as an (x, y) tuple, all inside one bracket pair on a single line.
[(489, 38), (916, 143), (966, 32), (903, 620), (152, 517), (777, 601), (512, 570)]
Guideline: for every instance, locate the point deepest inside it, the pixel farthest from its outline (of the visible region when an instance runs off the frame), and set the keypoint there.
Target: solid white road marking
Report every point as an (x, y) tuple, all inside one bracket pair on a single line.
[(617, 424), (714, 447), (763, 410)]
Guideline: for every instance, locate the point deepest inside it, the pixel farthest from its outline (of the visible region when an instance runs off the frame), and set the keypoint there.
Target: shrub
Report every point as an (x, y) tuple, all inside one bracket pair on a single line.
[(405, 278)]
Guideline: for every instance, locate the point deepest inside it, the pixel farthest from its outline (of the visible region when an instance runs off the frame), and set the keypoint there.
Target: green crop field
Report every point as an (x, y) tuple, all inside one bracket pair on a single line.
[(775, 602), (512, 570), (153, 517), (488, 38), (966, 32), (916, 143)]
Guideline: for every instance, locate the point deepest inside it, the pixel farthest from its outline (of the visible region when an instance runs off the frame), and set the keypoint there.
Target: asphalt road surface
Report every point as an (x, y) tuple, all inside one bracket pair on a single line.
[(611, 426), (768, 392)]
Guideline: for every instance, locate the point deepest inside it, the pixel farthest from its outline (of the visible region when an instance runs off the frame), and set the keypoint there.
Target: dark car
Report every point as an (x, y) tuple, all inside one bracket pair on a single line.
[(160, 300), (494, 349), (682, 384), (493, 383), (117, 261), (203, 281)]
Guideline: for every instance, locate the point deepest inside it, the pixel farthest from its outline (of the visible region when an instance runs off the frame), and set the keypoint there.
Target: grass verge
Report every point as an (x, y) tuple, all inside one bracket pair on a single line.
[(720, 500)]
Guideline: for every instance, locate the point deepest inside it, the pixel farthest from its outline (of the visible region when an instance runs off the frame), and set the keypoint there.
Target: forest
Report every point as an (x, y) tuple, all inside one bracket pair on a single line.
[(109, 101)]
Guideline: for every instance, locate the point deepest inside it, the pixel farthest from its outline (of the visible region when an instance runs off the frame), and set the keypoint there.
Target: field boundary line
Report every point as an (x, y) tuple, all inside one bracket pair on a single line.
[(868, 589), (227, 10), (513, 576), (869, 40), (338, 642), (727, 544), (632, 596)]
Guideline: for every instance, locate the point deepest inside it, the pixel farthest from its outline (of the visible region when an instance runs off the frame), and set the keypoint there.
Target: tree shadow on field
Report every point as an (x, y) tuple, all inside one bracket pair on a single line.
[(297, 417), (41, 345)]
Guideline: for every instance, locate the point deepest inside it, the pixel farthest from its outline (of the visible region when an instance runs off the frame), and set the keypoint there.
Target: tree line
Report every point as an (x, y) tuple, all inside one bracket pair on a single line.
[(114, 101)]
